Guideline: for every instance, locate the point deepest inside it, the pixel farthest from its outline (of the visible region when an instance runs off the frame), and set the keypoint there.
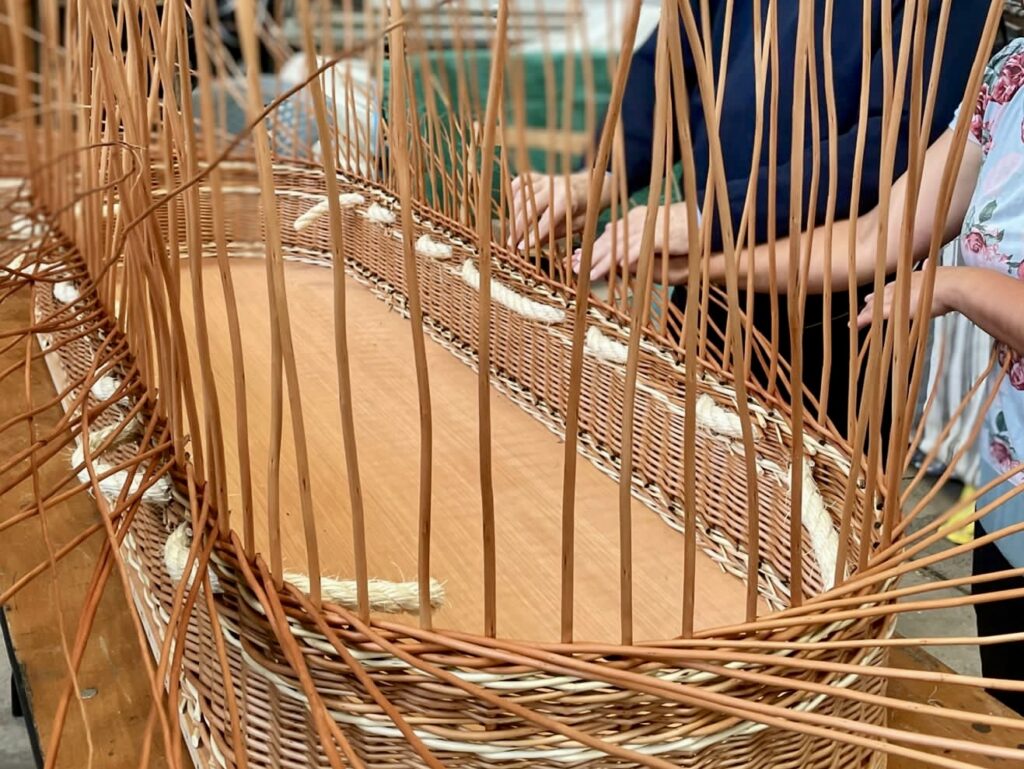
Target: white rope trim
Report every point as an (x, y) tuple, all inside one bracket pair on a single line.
[(176, 556), (66, 292), (377, 213), (22, 227), (429, 247), (385, 596), (571, 753), (345, 200), (721, 421), (821, 532), (767, 467), (18, 264), (104, 388), (515, 302), (604, 347), (111, 484)]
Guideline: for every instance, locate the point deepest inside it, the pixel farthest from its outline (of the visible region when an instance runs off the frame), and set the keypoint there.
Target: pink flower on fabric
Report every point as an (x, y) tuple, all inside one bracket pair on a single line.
[(978, 128), (974, 242), (1001, 454), (1011, 77), (983, 99), (1020, 270), (993, 255), (1005, 352), (1017, 375)]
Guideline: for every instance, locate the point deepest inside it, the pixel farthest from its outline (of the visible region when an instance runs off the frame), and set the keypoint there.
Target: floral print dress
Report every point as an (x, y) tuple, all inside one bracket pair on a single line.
[(993, 237)]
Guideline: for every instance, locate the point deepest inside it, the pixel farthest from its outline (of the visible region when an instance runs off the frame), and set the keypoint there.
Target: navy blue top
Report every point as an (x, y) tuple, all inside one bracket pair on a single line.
[(966, 22)]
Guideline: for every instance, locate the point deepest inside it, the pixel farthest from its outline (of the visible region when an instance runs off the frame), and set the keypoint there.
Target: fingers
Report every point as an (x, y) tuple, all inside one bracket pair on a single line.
[(538, 206), (612, 241), (866, 313), (553, 215), (618, 244), (527, 198), (678, 270)]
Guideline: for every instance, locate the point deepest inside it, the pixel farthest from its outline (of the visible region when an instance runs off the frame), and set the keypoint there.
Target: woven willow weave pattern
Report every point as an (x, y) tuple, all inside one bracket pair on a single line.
[(384, 490)]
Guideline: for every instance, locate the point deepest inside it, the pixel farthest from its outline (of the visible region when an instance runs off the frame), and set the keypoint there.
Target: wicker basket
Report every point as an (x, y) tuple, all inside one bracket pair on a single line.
[(484, 702)]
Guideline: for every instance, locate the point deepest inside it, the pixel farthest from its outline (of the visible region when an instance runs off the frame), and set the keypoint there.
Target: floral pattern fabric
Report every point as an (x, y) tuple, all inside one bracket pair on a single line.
[(993, 237)]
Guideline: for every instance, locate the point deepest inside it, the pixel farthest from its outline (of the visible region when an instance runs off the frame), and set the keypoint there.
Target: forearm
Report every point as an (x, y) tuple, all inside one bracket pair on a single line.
[(830, 260), (989, 299)]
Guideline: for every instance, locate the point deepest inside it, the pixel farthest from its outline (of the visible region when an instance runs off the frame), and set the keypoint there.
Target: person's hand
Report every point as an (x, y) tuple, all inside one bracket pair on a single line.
[(538, 205), (940, 297), (625, 236)]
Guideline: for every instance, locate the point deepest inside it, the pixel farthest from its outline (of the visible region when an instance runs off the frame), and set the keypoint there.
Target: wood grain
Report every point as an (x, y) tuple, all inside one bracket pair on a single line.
[(527, 460), (117, 711), (948, 696), (114, 687)]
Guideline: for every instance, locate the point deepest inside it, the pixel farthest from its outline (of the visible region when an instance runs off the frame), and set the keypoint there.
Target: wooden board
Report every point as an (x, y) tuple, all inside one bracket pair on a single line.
[(115, 697), (948, 696), (527, 476)]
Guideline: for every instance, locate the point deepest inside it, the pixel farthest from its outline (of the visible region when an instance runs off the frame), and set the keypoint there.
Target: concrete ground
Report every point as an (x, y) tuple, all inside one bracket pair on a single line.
[(945, 622), (15, 752)]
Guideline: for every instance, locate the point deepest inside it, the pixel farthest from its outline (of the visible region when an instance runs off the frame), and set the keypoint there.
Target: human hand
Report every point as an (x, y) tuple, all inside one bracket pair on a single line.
[(625, 238), (940, 297), (539, 204)]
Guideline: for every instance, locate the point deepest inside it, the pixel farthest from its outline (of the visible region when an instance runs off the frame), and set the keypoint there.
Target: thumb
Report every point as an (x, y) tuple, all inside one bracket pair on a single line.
[(867, 311)]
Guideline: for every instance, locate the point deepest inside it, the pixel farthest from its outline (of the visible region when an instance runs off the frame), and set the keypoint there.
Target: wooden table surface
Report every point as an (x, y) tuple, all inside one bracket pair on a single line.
[(526, 461), (115, 700)]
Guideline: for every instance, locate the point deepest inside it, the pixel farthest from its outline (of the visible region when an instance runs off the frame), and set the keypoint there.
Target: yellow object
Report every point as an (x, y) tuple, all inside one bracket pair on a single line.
[(962, 534)]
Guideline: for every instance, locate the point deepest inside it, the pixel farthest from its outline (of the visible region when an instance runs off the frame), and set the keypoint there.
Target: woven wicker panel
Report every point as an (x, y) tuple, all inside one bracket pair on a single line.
[(461, 730)]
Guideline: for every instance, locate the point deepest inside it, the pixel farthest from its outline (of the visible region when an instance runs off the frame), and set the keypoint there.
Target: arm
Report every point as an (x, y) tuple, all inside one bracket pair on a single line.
[(539, 202), (988, 298), (865, 255)]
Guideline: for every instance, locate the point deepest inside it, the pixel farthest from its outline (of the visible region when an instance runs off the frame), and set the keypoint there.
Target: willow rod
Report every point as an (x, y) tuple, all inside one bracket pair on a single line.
[(572, 408), (484, 235)]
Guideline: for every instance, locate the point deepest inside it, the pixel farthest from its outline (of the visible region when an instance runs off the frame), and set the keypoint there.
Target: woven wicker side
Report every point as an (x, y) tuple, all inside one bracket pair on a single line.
[(530, 364), (461, 730)]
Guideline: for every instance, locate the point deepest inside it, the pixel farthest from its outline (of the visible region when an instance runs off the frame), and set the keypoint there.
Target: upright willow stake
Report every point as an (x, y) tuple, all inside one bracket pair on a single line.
[(283, 352), (484, 237), (572, 409), (327, 154), (399, 126)]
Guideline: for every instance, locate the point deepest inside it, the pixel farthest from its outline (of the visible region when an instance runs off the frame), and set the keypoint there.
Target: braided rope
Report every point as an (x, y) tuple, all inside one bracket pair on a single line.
[(385, 596), (510, 299), (345, 200)]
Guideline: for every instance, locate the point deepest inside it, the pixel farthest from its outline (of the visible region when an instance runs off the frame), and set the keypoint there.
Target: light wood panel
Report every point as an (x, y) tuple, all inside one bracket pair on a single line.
[(945, 695), (112, 678), (528, 462)]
